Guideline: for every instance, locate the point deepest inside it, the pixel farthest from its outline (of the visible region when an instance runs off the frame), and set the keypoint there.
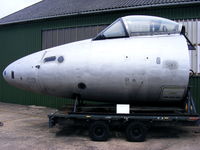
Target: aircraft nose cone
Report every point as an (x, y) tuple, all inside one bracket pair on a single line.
[(5, 74), (14, 75), (9, 73), (22, 73)]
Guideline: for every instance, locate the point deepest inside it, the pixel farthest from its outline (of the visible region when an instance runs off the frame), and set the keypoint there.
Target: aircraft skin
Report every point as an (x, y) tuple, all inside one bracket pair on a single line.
[(118, 70)]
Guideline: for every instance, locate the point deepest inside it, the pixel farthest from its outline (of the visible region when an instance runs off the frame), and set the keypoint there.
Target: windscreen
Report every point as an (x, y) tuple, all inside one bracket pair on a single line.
[(115, 30)]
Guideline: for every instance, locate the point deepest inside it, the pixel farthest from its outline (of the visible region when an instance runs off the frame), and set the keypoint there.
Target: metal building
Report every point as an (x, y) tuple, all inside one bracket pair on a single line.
[(50, 23)]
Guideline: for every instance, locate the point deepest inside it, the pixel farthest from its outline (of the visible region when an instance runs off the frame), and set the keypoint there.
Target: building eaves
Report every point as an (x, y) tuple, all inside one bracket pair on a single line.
[(48, 9)]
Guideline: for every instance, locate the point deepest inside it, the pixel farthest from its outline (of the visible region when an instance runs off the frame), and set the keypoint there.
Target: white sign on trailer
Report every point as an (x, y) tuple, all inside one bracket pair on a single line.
[(123, 109)]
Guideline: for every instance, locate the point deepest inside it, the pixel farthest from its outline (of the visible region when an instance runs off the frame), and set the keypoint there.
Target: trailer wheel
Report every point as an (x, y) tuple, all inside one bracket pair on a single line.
[(99, 131), (136, 132)]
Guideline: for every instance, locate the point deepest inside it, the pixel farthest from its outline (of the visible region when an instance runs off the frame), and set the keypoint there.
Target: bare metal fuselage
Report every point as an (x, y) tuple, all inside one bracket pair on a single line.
[(123, 70)]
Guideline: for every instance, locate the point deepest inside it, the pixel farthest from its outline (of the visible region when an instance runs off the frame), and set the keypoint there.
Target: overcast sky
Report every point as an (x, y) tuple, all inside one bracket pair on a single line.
[(10, 6)]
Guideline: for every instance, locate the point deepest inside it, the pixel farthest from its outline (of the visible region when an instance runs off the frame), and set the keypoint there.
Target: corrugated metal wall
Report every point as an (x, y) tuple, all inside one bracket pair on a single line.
[(18, 40), (195, 88), (193, 33), (55, 37)]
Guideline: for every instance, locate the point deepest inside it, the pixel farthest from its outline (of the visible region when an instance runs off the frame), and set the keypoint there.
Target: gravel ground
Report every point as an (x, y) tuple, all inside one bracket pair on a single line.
[(26, 127)]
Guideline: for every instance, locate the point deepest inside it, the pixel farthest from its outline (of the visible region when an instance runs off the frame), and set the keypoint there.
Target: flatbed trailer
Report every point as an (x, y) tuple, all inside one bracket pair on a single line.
[(136, 123)]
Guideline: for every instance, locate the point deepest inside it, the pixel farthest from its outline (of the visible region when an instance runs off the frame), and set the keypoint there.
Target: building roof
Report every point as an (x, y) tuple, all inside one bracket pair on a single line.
[(58, 8)]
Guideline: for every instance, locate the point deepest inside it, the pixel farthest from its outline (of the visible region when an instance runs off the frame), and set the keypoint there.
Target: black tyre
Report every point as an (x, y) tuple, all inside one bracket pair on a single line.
[(136, 132), (99, 131)]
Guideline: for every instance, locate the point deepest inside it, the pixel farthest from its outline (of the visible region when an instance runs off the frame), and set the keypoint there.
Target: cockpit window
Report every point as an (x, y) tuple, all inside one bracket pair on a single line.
[(148, 25), (139, 26), (115, 30)]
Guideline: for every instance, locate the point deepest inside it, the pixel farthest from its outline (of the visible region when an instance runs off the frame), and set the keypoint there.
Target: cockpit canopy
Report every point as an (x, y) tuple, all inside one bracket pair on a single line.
[(139, 26)]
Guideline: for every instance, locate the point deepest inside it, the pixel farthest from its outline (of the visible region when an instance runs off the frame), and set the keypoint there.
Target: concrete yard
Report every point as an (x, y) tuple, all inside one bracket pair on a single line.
[(26, 127)]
